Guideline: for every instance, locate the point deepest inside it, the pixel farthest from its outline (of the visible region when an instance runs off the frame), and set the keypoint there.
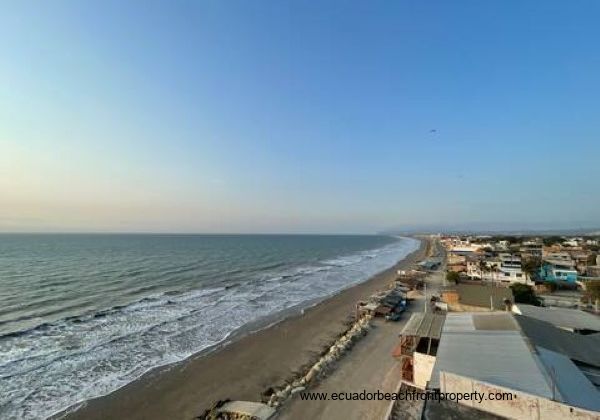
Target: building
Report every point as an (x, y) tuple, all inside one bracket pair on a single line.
[(572, 320), (531, 250), (582, 350), (505, 269), (510, 270), (418, 345), (549, 370), (558, 267), (457, 263)]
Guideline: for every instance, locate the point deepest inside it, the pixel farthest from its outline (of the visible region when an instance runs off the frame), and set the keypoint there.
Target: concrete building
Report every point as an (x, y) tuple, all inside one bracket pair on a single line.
[(550, 371), (504, 269)]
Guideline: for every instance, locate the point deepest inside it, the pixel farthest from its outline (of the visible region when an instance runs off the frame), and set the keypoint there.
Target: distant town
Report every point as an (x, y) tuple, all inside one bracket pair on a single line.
[(541, 270)]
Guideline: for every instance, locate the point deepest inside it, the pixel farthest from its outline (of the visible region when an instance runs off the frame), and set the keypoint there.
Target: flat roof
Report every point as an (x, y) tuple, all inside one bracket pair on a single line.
[(489, 347), (424, 325), (561, 317)]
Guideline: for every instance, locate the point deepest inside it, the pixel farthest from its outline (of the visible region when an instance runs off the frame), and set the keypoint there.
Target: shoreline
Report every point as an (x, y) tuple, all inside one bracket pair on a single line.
[(252, 358)]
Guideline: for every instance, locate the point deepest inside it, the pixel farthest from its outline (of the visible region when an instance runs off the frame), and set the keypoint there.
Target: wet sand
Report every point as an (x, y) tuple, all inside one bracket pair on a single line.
[(242, 369)]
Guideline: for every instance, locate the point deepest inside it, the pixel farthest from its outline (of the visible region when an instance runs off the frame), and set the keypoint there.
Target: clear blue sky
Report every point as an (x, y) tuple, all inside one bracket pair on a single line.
[(281, 116)]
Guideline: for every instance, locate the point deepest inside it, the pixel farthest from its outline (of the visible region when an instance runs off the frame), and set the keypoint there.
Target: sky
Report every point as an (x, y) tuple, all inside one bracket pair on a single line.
[(278, 116)]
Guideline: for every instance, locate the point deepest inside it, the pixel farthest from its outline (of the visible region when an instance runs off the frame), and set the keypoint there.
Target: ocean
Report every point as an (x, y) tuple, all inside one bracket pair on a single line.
[(83, 315)]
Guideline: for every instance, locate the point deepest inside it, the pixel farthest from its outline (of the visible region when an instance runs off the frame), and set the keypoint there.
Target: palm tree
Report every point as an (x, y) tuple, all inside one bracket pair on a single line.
[(531, 267), (483, 268), (493, 269)]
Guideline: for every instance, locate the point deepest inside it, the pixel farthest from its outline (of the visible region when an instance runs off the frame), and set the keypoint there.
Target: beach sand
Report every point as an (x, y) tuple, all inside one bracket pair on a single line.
[(242, 369)]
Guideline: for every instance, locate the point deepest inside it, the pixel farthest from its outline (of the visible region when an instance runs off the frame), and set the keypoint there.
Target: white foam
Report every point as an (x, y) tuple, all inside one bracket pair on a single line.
[(49, 369)]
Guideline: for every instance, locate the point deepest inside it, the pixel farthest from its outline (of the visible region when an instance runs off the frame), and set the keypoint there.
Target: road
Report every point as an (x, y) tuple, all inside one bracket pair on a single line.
[(369, 366)]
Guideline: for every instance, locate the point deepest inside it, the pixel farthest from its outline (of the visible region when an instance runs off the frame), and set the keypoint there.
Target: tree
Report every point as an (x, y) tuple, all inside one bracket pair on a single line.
[(524, 293), (531, 267), (494, 270), (453, 277), (483, 268), (551, 240)]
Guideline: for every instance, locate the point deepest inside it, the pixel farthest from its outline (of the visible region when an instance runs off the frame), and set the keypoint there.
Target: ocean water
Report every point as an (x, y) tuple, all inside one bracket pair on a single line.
[(82, 315)]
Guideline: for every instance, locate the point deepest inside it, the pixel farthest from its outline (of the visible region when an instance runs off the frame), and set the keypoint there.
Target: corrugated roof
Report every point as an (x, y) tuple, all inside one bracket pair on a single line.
[(582, 348), (479, 295), (424, 325), (499, 356), (562, 317)]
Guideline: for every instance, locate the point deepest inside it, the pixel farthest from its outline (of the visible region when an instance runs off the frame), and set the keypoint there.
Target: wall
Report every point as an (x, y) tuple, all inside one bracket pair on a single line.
[(422, 366), (450, 296), (523, 405)]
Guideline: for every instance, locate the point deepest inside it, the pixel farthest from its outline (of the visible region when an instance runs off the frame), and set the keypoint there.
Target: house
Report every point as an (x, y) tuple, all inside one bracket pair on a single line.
[(510, 270), (531, 250), (506, 269), (558, 266), (457, 263), (549, 371)]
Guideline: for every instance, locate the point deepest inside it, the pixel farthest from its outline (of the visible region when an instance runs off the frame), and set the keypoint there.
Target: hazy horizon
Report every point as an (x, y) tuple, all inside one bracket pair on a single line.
[(285, 117)]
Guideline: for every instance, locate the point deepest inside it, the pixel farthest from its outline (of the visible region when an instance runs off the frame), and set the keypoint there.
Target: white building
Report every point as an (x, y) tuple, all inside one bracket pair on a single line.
[(505, 269)]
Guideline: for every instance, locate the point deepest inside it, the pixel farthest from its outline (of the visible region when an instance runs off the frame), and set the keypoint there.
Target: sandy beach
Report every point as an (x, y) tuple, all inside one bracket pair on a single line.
[(242, 369)]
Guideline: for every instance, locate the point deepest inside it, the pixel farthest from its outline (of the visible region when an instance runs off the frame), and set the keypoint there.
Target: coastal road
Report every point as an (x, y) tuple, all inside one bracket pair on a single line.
[(369, 366)]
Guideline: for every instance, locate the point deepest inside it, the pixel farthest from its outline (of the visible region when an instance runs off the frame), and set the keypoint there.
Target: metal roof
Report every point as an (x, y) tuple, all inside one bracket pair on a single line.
[(574, 388), (581, 348), (424, 325), (499, 355), (561, 317)]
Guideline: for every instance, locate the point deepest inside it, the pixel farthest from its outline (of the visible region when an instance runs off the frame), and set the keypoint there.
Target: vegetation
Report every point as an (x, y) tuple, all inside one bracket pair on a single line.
[(551, 240), (453, 277), (524, 294), (531, 267)]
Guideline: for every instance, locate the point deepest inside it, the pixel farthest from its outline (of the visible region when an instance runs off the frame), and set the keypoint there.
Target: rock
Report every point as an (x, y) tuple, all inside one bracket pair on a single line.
[(298, 389)]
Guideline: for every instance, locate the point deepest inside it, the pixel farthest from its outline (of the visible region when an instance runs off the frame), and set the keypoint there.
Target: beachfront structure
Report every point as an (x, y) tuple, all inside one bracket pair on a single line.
[(461, 246), (418, 345), (549, 369), (505, 269)]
